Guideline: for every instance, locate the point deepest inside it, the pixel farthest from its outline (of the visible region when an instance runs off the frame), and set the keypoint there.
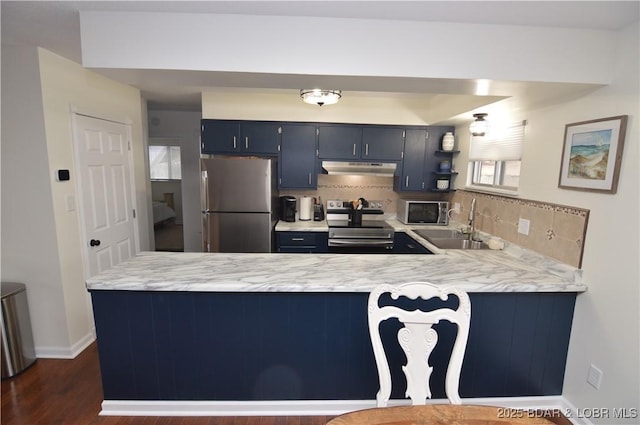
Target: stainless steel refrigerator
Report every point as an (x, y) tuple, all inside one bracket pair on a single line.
[(239, 204)]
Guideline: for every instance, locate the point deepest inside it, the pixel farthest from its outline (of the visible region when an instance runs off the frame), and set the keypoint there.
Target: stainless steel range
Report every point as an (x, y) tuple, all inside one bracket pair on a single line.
[(358, 227)]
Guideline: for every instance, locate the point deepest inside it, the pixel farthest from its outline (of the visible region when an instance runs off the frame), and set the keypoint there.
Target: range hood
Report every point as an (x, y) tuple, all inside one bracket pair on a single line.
[(359, 168)]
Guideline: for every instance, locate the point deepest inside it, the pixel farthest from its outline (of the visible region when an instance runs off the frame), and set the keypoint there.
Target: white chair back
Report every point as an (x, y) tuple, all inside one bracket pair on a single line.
[(417, 338)]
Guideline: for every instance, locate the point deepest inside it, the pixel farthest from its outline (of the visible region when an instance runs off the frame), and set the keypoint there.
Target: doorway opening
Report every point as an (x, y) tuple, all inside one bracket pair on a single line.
[(166, 192)]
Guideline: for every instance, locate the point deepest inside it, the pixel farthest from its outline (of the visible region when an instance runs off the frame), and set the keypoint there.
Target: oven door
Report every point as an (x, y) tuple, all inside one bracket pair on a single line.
[(360, 246)]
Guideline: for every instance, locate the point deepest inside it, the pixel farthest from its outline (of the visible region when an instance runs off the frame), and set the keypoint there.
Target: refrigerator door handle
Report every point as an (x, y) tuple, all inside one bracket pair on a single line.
[(204, 193), (204, 196), (206, 243)]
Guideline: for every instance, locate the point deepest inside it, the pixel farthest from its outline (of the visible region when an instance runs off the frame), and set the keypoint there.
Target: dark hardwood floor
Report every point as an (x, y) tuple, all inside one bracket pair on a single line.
[(69, 392)]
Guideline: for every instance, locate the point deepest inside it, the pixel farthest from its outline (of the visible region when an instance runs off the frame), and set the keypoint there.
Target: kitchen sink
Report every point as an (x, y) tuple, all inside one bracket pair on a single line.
[(450, 239), (441, 234), (455, 243)]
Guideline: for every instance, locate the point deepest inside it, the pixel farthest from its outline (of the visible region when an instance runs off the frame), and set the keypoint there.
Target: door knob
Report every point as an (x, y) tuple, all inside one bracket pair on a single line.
[(94, 242)]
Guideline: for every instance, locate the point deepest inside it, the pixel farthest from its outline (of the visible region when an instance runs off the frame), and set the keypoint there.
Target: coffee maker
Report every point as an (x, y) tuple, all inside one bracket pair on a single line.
[(288, 206)]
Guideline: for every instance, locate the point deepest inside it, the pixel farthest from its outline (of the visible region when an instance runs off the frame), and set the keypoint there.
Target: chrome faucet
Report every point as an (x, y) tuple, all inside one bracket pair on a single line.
[(472, 219)]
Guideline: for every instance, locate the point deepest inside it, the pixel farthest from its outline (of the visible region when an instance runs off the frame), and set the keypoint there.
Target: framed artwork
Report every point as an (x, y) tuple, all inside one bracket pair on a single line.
[(592, 153)]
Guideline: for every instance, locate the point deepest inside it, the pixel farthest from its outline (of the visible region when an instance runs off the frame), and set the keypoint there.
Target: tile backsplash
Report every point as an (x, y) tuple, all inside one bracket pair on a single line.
[(556, 231), (354, 187)]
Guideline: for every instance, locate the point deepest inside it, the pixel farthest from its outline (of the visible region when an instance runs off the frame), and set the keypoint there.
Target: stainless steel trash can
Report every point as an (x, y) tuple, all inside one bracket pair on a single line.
[(18, 351)]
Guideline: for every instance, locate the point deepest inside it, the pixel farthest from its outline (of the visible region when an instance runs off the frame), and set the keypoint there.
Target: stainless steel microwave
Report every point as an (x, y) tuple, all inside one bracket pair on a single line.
[(423, 212)]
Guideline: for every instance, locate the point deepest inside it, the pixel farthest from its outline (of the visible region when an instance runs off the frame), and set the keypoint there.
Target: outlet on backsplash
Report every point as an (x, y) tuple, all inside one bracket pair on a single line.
[(523, 226)]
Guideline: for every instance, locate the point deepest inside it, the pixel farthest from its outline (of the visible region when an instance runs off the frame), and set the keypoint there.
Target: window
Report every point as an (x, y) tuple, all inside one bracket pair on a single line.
[(494, 160), (164, 163)]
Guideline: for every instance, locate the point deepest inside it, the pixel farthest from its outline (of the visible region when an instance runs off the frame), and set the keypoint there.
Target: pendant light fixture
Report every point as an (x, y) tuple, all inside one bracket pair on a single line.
[(480, 126), (320, 97)]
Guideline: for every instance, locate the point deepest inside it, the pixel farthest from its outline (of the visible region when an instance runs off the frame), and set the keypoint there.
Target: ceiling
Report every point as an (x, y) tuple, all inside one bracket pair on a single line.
[(55, 26)]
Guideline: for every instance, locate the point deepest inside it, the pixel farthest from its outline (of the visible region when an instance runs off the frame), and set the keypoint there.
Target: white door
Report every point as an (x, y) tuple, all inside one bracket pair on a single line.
[(107, 207)]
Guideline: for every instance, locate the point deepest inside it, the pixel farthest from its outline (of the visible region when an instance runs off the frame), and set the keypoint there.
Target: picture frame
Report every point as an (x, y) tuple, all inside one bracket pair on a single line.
[(592, 153)]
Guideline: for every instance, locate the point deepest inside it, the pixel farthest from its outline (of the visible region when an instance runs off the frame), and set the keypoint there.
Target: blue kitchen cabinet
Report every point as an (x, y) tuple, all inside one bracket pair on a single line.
[(240, 137), (298, 157), (405, 244), (260, 137), (360, 142), (339, 142), (302, 242), (420, 167), (412, 174), (382, 143), (219, 137)]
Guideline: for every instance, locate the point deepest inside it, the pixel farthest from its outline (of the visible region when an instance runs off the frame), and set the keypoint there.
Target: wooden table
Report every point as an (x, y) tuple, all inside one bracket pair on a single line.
[(442, 414)]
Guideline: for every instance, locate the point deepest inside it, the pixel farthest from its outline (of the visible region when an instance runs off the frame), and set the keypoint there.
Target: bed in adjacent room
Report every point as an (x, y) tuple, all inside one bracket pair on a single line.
[(163, 210)]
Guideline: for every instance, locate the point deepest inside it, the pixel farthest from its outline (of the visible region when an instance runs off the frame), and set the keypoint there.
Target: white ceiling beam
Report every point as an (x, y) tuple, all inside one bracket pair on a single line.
[(345, 47)]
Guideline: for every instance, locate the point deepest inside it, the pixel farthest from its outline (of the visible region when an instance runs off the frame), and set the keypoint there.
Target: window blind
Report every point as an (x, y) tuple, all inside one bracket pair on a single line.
[(505, 147)]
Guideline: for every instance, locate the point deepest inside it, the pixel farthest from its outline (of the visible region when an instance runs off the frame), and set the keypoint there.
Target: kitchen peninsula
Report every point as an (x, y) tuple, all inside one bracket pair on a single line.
[(218, 328)]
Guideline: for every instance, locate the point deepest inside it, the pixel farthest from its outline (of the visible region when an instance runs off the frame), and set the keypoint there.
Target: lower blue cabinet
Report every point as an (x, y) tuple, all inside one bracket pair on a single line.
[(302, 242), (405, 244)]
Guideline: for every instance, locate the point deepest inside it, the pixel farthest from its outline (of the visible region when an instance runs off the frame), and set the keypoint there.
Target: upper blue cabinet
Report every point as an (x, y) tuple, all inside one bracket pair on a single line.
[(421, 169), (339, 142), (382, 143), (297, 166), (412, 173), (360, 142), (301, 147), (240, 137)]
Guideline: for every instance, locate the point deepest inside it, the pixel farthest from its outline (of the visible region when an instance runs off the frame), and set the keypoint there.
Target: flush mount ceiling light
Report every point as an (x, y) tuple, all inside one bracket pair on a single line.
[(480, 126), (320, 97)]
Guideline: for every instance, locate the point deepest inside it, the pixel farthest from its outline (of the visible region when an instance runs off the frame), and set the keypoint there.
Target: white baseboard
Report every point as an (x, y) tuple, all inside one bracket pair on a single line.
[(66, 352), (303, 407)]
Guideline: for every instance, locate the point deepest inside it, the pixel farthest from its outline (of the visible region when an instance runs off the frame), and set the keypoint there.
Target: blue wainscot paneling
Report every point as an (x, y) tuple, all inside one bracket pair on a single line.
[(313, 346)]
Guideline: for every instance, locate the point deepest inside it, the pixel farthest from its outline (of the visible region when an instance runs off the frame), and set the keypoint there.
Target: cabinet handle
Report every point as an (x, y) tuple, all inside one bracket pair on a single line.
[(246, 142), (309, 179), (366, 149), (354, 149), (234, 142), (297, 239), (406, 183)]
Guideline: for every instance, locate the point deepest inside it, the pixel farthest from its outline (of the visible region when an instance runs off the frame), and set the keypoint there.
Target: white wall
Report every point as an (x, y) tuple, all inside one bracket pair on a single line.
[(606, 330), (40, 143), (28, 235), (185, 127)]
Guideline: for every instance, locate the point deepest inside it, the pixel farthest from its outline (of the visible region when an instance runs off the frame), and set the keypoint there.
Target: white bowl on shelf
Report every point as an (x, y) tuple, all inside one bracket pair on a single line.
[(442, 184)]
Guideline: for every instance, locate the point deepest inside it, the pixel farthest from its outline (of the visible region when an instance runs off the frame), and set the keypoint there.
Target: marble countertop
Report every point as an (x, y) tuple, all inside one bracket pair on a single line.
[(302, 226), (509, 270)]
